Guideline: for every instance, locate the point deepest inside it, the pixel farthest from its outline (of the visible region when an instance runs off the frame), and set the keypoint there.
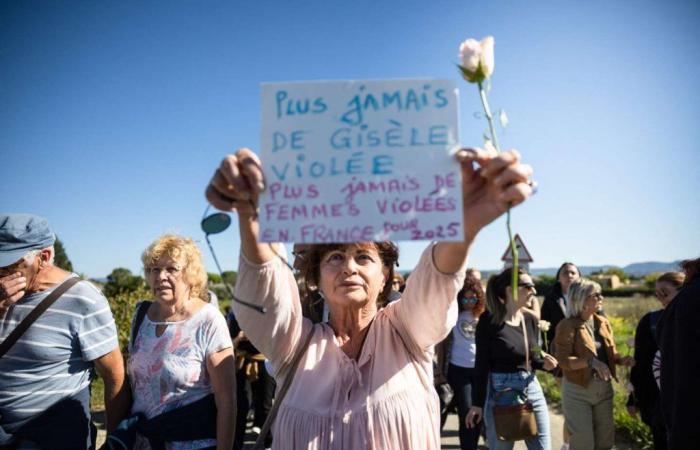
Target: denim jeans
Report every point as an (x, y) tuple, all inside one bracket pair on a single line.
[(519, 382)]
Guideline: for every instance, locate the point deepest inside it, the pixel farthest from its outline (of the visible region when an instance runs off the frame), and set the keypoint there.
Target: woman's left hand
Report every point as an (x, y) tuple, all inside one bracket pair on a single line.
[(550, 362), (627, 361), (500, 181)]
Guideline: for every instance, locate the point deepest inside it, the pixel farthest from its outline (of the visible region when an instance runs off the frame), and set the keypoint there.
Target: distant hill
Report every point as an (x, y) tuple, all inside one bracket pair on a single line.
[(635, 269), (645, 268)]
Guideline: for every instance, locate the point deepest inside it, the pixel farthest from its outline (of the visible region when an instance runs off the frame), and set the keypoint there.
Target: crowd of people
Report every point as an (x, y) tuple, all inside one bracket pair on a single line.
[(343, 353)]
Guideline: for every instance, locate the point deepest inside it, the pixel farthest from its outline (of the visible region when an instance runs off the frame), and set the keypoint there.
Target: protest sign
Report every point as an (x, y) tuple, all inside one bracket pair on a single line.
[(348, 161)]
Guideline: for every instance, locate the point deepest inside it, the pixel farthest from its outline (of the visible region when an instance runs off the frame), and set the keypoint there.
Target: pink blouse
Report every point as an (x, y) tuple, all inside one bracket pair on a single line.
[(383, 400)]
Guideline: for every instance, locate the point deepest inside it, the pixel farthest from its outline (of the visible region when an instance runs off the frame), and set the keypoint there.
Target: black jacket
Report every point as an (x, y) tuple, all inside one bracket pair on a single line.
[(678, 335), (646, 392), (552, 313)]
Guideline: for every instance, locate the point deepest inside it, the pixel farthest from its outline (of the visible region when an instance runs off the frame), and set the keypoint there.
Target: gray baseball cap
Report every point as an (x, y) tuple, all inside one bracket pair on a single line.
[(20, 234)]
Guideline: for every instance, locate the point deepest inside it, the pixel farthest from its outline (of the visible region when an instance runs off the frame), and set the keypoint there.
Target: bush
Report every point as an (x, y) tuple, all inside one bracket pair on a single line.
[(123, 305)]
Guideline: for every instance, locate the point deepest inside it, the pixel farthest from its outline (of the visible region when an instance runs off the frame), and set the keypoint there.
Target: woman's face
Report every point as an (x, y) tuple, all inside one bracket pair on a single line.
[(592, 304), (568, 275), (526, 291), (665, 292), (166, 279), (352, 276), (468, 301)]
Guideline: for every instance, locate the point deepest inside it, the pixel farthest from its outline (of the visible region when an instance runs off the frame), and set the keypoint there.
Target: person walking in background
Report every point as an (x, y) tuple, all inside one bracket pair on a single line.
[(506, 356), (45, 376), (364, 378), (180, 363), (585, 348), (460, 348), (645, 396), (555, 302), (553, 311), (678, 335)]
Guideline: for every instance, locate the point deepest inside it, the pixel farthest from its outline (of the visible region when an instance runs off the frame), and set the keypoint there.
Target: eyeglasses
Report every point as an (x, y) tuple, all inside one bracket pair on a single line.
[(468, 300), (597, 296), (526, 285), (171, 271)]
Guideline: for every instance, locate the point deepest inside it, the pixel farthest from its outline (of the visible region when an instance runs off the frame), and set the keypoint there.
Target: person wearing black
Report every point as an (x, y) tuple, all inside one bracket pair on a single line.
[(457, 355), (252, 375), (645, 396), (554, 306), (503, 376), (678, 334), (553, 311)]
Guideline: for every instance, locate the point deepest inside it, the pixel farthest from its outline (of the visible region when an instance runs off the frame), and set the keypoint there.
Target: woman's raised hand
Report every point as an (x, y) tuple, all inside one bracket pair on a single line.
[(237, 183), (499, 181)]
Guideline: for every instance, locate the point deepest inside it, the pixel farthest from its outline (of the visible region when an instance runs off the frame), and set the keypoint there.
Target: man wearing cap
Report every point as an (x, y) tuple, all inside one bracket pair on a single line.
[(46, 374)]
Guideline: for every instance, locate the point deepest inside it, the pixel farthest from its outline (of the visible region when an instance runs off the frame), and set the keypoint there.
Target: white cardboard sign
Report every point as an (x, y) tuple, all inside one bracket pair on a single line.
[(348, 161)]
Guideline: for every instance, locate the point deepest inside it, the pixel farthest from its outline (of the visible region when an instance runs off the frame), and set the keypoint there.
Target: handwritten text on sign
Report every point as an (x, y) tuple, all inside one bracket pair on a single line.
[(350, 161)]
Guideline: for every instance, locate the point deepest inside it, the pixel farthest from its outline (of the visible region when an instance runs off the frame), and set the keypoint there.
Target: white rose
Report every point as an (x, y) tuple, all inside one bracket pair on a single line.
[(486, 60), (470, 54), (544, 325), (476, 59)]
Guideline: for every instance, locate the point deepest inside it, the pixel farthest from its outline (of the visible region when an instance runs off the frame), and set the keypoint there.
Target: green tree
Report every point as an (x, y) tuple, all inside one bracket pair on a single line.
[(544, 284), (214, 277), (230, 277), (650, 280), (121, 280), (60, 257)]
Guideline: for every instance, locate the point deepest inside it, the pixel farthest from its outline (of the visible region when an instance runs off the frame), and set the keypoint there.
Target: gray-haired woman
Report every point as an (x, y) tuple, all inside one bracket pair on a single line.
[(585, 349)]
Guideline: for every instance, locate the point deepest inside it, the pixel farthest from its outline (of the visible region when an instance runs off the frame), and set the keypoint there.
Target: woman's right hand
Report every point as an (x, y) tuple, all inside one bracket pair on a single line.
[(474, 416), (601, 369), (236, 186), (237, 183)]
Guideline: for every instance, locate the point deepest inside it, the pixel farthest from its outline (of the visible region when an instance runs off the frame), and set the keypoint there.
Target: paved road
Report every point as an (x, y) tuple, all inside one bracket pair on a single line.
[(450, 439)]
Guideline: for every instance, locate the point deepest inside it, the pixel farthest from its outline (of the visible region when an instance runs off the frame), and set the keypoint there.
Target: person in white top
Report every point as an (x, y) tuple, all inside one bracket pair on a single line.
[(462, 357)]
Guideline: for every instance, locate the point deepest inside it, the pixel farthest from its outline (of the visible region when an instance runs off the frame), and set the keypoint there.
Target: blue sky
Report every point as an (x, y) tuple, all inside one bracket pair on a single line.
[(114, 115)]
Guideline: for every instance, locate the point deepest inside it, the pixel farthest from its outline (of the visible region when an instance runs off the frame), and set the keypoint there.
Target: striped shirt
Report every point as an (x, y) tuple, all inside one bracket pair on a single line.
[(52, 359)]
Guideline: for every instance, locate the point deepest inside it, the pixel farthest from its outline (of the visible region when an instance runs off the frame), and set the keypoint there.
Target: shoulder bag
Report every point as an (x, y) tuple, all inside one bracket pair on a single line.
[(516, 422)]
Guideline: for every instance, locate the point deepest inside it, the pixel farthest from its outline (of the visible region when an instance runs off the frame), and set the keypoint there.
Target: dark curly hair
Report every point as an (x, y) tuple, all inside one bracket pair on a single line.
[(472, 284), (310, 264)]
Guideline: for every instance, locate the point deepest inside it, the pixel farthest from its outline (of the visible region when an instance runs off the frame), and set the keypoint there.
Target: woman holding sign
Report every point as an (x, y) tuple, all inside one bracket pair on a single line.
[(364, 379)]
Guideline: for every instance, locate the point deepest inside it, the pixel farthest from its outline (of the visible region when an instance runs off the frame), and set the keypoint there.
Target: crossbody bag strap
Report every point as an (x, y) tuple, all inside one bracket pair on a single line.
[(527, 347), (279, 395), (17, 333)]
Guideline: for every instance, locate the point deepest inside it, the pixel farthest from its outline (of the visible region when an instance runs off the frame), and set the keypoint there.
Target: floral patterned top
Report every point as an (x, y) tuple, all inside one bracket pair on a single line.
[(169, 371)]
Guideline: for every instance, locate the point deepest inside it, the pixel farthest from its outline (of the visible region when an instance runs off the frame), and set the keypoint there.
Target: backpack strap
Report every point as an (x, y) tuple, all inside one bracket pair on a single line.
[(35, 313), (141, 311)]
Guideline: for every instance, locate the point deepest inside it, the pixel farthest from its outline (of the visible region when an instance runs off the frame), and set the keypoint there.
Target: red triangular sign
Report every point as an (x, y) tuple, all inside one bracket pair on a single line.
[(523, 253)]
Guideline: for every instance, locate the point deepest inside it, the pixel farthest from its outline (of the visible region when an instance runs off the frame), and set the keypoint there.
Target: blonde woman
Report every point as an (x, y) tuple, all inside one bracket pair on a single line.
[(180, 364), (585, 349)]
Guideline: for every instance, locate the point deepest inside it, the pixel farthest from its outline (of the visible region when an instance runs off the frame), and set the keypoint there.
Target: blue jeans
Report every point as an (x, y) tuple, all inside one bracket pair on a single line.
[(518, 382)]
